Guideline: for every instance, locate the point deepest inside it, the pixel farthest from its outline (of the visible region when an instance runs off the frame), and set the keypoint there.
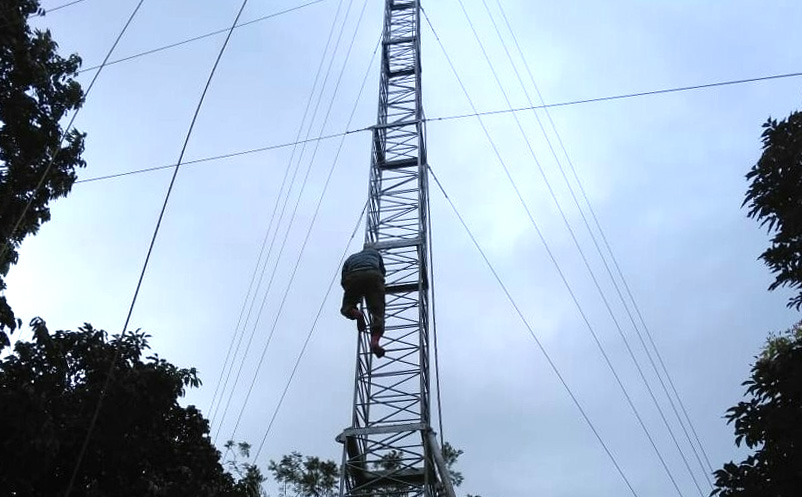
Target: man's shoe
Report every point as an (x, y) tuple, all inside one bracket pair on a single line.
[(377, 350)]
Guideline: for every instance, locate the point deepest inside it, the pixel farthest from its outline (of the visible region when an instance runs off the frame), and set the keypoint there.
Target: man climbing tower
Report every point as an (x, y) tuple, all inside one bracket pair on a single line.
[(363, 277)]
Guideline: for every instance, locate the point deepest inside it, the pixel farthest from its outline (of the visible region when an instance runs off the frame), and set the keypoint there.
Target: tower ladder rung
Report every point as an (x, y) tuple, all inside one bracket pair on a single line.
[(402, 6), (402, 288), (394, 244), (401, 73), (398, 163), (396, 41)]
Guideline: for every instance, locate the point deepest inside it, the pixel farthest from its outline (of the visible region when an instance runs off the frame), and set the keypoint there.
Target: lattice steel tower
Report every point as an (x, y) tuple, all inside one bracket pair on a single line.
[(390, 448)]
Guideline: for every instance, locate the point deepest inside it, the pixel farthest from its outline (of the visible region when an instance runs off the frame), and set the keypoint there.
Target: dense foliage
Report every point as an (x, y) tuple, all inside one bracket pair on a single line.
[(310, 476), (769, 421), (774, 198), (37, 161), (143, 444)]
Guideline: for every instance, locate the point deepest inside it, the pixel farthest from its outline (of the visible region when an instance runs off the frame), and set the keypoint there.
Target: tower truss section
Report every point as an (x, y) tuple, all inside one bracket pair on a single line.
[(390, 448)]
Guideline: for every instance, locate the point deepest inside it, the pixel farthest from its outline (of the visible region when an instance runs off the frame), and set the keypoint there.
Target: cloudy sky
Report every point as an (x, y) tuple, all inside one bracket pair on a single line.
[(664, 174)]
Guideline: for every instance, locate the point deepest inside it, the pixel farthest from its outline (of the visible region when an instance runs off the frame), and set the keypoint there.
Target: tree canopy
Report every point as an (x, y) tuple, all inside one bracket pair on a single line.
[(774, 199), (769, 421), (144, 443), (250, 478), (37, 160), (310, 476)]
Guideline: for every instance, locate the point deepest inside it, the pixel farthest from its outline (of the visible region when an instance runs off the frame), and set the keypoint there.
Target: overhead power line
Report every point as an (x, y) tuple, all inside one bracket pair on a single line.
[(438, 390), (278, 313), (303, 246), (705, 471), (337, 272), (532, 333), (57, 8), (109, 373), (447, 118), (286, 200), (545, 244), (621, 96), (54, 154), (64, 5), (571, 231), (259, 260), (223, 156), (201, 37), (107, 382)]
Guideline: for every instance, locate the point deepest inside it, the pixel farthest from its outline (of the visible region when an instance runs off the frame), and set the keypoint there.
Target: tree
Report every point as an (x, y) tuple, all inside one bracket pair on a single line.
[(450, 456), (37, 90), (300, 476), (143, 444), (769, 423), (393, 460), (250, 476), (774, 199)]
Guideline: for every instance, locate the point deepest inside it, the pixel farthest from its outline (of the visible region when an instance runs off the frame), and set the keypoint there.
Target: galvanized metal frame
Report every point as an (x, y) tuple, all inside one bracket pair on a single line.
[(390, 450)]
